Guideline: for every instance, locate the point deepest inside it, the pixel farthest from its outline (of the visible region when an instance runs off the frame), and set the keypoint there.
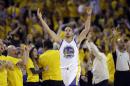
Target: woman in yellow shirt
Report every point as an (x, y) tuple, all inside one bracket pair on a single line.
[(50, 60), (32, 68)]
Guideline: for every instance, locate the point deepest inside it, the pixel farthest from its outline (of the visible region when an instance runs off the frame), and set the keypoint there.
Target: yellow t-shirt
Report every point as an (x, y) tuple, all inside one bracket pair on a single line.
[(103, 5), (72, 9), (15, 77), (62, 34), (3, 74), (51, 61), (34, 5), (81, 58), (38, 28), (81, 55), (3, 58), (13, 10), (31, 77), (111, 67)]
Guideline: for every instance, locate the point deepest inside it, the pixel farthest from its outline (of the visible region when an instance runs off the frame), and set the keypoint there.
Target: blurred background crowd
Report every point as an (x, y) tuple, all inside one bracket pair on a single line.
[(19, 23)]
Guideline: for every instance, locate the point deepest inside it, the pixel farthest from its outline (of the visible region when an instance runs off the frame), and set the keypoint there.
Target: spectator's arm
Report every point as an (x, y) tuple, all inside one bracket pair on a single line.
[(9, 65), (34, 71), (16, 29), (25, 56), (6, 64), (114, 39), (95, 50)]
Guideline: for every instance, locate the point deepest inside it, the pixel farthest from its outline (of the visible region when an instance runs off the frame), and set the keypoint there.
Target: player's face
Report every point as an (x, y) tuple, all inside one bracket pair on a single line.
[(68, 32), (35, 53)]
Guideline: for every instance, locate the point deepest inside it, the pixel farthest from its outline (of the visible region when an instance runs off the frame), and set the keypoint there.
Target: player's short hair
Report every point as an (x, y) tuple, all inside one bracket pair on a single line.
[(71, 26)]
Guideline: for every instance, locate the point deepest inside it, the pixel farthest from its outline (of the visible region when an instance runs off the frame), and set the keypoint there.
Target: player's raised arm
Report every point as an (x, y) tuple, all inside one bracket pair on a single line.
[(83, 34), (46, 27)]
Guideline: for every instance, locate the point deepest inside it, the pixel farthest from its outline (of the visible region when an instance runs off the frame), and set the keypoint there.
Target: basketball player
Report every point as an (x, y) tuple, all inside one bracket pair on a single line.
[(69, 49)]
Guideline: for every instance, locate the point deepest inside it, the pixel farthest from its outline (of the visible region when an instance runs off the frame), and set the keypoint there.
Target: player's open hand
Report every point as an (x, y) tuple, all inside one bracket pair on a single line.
[(89, 10), (39, 14)]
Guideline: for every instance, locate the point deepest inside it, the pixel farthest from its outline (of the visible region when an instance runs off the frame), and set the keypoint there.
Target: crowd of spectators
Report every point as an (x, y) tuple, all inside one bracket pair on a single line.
[(19, 23)]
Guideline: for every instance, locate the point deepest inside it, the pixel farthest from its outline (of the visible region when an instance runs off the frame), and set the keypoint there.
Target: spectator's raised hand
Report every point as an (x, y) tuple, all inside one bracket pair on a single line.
[(115, 31)]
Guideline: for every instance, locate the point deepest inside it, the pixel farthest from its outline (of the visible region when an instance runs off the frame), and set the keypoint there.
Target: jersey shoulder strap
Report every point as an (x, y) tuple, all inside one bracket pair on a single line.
[(61, 43)]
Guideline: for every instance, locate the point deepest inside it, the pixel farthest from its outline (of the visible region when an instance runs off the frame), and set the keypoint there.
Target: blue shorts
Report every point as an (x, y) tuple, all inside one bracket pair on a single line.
[(75, 83)]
